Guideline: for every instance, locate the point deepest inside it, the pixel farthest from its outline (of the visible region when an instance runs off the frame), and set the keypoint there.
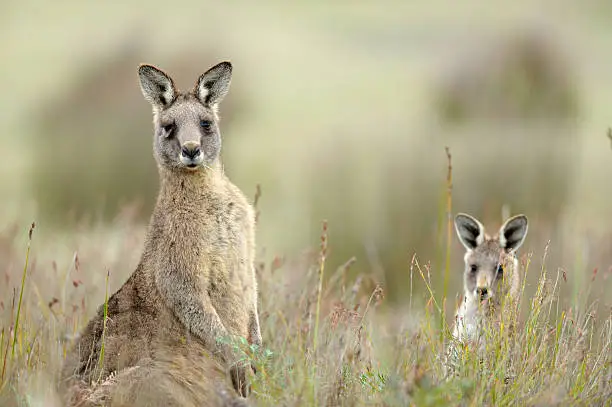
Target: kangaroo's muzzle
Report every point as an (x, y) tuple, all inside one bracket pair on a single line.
[(191, 154)]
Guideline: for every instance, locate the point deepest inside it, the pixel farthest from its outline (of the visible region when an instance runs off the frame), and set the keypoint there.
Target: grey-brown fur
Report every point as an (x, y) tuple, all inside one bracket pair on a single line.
[(195, 281), (172, 379), (490, 277)]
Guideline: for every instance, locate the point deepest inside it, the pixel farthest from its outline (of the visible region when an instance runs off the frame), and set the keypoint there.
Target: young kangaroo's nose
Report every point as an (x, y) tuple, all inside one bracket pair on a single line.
[(190, 150), (482, 292)]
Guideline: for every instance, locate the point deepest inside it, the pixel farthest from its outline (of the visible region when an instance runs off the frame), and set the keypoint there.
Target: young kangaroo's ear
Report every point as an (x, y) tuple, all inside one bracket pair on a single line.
[(157, 87), (214, 84), (512, 233), (470, 232)]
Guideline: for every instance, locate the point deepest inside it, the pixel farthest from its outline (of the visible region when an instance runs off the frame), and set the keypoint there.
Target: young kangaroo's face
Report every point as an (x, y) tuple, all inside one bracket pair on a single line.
[(491, 267), (186, 127)]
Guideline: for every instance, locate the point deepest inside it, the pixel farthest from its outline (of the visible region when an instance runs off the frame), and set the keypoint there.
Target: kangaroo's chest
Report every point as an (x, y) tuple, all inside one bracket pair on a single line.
[(208, 237), (466, 323), (223, 248), (225, 269), (222, 234), (471, 322), (222, 229)]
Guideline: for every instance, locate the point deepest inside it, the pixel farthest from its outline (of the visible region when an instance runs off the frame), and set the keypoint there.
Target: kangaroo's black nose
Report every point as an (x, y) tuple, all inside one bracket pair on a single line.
[(190, 151), (482, 292)]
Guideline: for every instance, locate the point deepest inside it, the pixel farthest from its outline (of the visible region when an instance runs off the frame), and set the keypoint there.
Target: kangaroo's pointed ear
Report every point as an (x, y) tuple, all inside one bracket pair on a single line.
[(470, 231), (156, 86), (214, 84), (512, 233)]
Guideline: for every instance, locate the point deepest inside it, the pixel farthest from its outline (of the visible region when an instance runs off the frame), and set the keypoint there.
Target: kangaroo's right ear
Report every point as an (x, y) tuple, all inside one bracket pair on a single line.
[(157, 87), (469, 230)]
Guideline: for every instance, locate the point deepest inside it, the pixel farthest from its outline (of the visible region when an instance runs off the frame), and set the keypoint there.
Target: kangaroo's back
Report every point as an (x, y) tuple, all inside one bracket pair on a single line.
[(135, 320)]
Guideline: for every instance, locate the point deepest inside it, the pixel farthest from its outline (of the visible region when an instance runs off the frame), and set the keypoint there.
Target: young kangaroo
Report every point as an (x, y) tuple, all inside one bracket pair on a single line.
[(490, 278), (196, 278)]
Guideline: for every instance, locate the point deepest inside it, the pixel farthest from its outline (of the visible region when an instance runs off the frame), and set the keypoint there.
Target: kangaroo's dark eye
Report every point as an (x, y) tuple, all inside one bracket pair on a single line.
[(500, 270), (205, 124), (473, 268), (168, 129)]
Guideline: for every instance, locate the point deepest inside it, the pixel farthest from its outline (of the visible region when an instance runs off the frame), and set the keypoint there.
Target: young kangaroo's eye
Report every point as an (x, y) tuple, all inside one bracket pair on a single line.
[(205, 124), (168, 129), (473, 268), (500, 270)]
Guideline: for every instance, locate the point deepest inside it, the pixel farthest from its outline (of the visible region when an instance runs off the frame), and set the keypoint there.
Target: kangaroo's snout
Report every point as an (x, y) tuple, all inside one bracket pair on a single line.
[(483, 293), (191, 154), (191, 150), (482, 288)]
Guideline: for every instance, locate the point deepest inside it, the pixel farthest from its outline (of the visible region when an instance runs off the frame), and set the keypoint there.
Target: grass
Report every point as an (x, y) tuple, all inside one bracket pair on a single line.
[(23, 278), (329, 339), (101, 360)]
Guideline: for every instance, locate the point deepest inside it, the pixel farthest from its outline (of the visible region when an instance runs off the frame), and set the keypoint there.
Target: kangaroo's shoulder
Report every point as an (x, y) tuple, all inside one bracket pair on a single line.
[(234, 202)]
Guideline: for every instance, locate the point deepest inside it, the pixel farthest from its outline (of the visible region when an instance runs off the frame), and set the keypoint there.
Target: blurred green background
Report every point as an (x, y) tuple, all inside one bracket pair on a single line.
[(340, 110)]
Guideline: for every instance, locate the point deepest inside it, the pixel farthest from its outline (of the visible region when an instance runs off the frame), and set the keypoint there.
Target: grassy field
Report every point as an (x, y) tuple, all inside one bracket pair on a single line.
[(329, 339), (336, 119)]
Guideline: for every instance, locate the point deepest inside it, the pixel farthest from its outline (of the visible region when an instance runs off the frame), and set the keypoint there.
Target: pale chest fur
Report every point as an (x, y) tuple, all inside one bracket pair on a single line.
[(469, 322), (218, 238), (474, 323), (209, 236)]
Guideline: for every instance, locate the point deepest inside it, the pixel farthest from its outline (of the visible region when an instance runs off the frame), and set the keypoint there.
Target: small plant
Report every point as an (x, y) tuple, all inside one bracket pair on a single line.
[(374, 382)]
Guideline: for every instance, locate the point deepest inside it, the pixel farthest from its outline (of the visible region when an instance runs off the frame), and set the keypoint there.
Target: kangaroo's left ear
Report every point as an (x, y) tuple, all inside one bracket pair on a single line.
[(512, 233), (214, 84)]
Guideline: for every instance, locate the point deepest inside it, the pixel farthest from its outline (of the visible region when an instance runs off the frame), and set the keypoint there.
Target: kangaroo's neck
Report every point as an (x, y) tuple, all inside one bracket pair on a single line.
[(183, 200), (179, 217), (182, 190)]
